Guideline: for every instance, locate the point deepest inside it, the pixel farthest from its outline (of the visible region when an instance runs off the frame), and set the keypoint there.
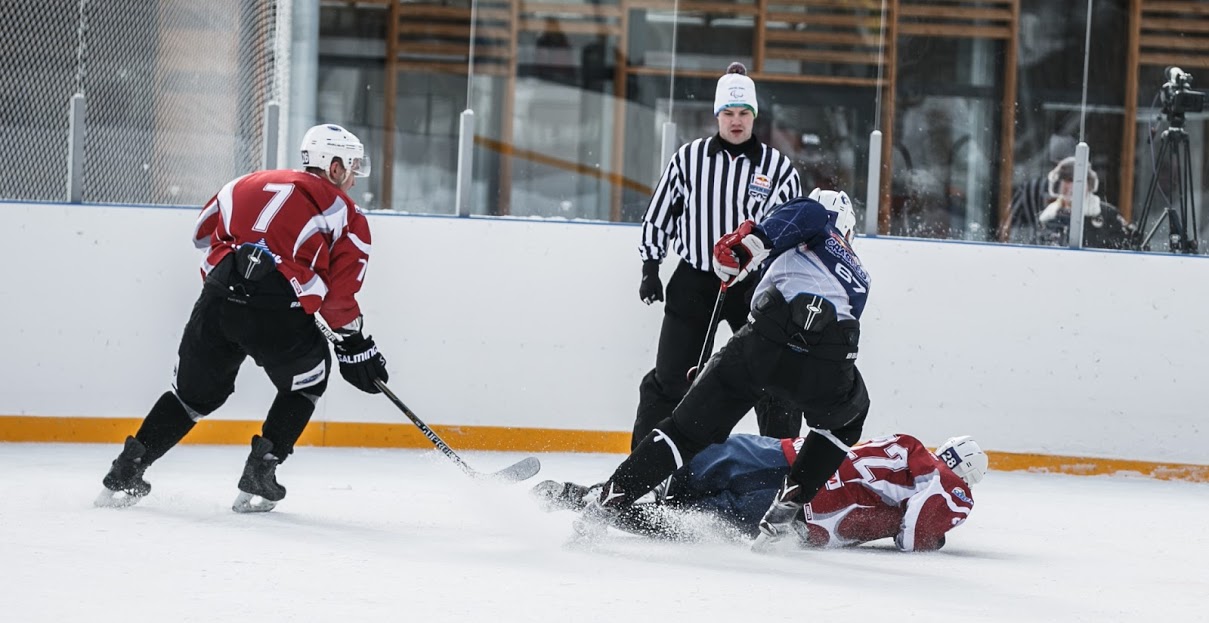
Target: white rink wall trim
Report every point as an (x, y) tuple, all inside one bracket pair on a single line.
[(537, 324)]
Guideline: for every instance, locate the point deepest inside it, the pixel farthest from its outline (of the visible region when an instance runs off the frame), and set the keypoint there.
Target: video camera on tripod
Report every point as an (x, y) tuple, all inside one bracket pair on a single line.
[(1175, 160), (1178, 96)]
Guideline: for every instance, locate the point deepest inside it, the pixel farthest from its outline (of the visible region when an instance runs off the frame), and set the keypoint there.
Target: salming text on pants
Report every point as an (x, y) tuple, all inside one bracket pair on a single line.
[(690, 299)]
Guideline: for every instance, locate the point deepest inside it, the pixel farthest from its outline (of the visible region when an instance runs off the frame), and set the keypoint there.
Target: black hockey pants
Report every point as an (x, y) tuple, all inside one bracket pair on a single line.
[(815, 373), (691, 295), (221, 333)]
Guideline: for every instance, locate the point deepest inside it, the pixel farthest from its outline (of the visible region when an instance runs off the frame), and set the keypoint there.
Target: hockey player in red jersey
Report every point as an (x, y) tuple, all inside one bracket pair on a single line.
[(894, 487), (891, 487), (281, 245)]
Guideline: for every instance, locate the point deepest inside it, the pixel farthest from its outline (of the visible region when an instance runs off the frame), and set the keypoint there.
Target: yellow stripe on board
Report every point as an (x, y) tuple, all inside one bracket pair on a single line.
[(336, 434), (366, 435), (1044, 463)]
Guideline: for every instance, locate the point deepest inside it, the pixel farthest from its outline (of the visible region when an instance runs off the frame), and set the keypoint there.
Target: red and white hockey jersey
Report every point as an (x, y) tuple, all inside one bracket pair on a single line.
[(888, 487), (318, 236)]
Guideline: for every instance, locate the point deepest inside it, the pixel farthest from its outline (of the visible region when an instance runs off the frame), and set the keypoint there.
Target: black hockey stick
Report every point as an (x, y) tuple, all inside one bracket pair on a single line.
[(709, 334), (525, 468)]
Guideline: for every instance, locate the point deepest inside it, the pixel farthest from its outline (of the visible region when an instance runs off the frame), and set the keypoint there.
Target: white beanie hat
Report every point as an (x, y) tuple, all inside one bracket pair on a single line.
[(735, 89)]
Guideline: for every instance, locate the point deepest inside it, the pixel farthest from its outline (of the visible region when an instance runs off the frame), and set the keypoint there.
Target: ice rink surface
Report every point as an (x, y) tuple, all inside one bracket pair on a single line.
[(403, 535)]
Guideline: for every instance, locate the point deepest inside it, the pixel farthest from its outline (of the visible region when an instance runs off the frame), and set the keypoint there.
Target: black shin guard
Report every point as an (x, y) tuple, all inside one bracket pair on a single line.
[(659, 454), (820, 457), (817, 461), (164, 427), (288, 417)]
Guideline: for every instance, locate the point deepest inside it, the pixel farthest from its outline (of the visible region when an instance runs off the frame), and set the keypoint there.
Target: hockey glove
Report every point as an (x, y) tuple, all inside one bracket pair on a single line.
[(651, 288), (360, 362), (738, 253)]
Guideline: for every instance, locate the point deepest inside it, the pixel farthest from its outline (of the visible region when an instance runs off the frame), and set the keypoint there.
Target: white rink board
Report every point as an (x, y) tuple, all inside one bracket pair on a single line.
[(536, 323)]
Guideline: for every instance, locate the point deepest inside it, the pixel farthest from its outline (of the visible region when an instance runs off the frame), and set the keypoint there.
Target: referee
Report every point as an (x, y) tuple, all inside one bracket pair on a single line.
[(710, 186)]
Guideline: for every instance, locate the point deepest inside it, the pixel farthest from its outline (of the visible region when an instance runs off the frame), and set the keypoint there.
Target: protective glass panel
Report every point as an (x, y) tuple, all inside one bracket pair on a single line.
[(351, 82), (948, 129), (565, 124), (1050, 115), (1170, 159), (574, 101)]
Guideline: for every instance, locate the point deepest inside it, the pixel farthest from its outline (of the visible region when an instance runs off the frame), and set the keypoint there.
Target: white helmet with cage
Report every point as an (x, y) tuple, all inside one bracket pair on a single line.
[(327, 141), (837, 201), (965, 457)]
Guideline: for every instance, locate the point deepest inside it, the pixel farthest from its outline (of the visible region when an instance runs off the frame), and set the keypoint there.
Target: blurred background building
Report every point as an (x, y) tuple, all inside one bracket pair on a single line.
[(974, 97)]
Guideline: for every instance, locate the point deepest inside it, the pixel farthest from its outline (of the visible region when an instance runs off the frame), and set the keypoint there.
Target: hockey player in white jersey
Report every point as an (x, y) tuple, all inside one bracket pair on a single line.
[(800, 345)]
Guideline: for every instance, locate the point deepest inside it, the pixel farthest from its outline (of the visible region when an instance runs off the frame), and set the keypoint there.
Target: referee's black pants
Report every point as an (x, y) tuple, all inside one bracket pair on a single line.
[(689, 303)]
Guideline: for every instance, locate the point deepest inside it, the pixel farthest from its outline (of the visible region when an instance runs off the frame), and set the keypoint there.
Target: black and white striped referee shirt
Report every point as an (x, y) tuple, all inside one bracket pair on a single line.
[(705, 193)]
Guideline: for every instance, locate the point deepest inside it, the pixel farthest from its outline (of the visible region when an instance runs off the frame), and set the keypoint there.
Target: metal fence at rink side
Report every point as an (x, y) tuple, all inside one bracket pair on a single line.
[(139, 102)]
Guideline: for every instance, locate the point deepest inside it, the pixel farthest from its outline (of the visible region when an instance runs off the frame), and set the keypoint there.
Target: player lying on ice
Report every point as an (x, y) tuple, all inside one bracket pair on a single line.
[(892, 487)]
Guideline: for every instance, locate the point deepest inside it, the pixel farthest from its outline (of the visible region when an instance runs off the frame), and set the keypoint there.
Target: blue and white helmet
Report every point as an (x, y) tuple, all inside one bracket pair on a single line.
[(326, 141), (965, 457), (837, 201)]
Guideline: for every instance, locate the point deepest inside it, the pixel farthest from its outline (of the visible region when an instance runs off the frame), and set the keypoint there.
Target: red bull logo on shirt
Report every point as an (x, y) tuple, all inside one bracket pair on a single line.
[(760, 186)]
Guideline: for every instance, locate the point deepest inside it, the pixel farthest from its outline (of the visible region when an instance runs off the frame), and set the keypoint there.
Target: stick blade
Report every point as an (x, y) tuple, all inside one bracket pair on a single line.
[(524, 469)]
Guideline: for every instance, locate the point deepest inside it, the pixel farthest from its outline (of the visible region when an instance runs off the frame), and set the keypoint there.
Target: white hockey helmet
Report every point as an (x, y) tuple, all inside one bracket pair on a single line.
[(965, 457), (837, 201), (324, 142)]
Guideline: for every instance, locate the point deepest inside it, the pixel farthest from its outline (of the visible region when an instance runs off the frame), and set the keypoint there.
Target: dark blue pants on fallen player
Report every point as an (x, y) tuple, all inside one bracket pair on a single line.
[(735, 480)]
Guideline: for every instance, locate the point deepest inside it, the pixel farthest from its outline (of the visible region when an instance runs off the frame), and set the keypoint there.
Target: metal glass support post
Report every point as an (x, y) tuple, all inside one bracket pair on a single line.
[(75, 150), (873, 188), (1078, 196), (461, 200), (272, 131)]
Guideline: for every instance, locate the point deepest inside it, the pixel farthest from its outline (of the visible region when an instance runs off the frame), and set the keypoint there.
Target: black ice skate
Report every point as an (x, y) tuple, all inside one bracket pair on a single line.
[(781, 519), (561, 496), (259, 491), (124, 484), (600, 512)]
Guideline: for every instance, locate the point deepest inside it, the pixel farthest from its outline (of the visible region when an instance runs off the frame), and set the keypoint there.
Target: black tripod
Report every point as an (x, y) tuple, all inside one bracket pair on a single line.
[(1175, 152)]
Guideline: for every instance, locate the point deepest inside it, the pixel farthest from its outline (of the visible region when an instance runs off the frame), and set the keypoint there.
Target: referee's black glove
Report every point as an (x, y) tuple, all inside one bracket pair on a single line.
[(651, 289)]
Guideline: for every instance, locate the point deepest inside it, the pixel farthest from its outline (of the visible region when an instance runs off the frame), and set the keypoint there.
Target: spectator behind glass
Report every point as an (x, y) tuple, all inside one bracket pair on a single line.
[(1029, 198), (1103, 225)]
